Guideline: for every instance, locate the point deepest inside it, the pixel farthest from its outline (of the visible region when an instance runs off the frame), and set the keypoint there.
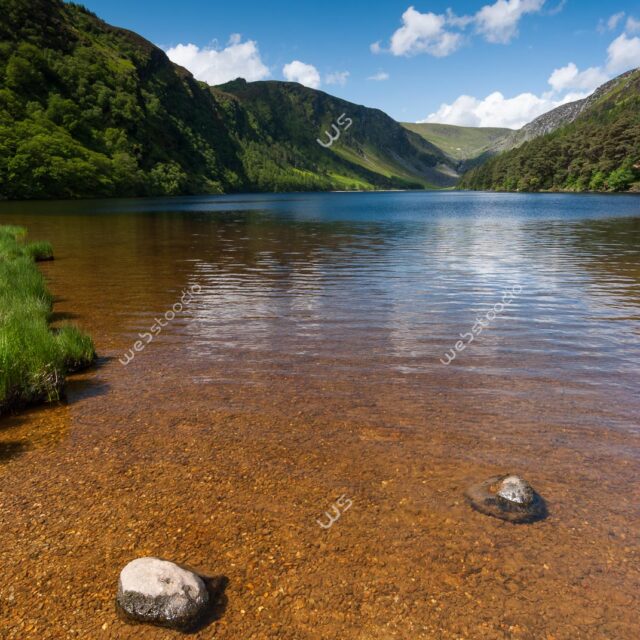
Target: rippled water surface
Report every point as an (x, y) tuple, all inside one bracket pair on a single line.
[(311, 363)]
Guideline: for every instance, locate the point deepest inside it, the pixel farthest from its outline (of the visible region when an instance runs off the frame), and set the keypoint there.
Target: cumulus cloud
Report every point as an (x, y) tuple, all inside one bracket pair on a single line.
[(499, 22), (305, 74), (566, 83), (379, 77), (623, 54), (216, 66), (442, 34), (633, 25), (496, 110), (337, 77), (423, 33), (493, 111), (571, 78)]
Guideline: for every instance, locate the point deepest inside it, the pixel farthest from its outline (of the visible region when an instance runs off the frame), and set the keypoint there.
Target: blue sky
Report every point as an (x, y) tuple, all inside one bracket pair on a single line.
[(479, 63)]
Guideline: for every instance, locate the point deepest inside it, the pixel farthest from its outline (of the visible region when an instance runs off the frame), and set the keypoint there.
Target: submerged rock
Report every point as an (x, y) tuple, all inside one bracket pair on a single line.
[(162, 593), (507, 497), (515, 489)]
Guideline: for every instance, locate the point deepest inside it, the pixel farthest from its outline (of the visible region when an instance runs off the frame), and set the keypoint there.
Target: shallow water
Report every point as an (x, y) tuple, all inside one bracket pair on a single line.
[(310, 365)]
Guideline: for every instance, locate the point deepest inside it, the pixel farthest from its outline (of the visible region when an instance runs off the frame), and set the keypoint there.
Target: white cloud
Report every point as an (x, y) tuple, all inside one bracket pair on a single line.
[(498, 111), (632, 24), (623, 54), (557, 9), (494, 111), (442, 34), (423, 33), (379, 77), (570, 77), (614, 20), (305, 74), (461, 22), (337, 77), (611, 23), (215, 66), (567, 84), (498, 22)]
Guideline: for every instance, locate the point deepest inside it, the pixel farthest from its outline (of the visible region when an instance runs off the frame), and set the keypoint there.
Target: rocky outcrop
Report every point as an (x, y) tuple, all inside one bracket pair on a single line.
[(558, 117)]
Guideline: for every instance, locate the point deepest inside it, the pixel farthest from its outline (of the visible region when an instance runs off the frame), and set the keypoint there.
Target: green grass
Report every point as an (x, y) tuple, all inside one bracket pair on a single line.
[(346, 183), (373, 162), (34, 358), (460, 143), (39, 251)]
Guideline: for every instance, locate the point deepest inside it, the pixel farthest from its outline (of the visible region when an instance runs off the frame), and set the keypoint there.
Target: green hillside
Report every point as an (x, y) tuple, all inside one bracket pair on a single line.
[(90, 110), (460, 143), (598, 151), (288, 118)]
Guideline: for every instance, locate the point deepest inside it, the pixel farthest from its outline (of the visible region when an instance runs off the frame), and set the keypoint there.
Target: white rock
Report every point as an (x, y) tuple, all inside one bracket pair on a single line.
[(160, 592), (515, 489)]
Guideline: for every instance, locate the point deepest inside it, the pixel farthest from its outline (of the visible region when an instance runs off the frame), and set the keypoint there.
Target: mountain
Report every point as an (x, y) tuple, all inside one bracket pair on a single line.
[(91, 110), (558, 117), (465, 146), (374, 147), (590, 145)]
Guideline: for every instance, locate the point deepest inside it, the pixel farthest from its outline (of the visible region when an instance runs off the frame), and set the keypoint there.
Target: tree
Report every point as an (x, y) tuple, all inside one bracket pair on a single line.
[(620, 179), (167, 179)]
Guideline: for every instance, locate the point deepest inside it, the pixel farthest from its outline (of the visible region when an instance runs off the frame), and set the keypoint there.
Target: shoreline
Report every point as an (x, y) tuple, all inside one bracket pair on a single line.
[(36, 358), (632, 192)]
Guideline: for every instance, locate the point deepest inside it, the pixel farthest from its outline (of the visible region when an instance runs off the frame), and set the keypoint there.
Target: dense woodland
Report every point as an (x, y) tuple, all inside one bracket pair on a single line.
[(599, 151), (91, 110), (87, 109)]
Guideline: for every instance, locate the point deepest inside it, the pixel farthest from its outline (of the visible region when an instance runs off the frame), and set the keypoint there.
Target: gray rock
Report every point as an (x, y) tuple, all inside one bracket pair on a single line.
[(515, 489), (507, 497), (162, 593)]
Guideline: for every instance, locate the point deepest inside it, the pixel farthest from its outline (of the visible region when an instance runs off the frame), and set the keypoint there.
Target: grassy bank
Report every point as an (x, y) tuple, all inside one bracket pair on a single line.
[(34, 358)]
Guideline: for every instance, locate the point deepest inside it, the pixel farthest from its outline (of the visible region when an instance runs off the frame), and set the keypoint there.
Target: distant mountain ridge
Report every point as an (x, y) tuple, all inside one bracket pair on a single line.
[(564, 114), (465, 146), (374, 144), (589, 145)]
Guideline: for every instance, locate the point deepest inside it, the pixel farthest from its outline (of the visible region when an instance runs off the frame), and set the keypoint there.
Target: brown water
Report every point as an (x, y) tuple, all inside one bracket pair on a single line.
[(309, 366)]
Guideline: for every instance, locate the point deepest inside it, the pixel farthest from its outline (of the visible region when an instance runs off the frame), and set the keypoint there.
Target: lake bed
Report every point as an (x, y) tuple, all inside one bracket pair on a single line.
[(309, 364)]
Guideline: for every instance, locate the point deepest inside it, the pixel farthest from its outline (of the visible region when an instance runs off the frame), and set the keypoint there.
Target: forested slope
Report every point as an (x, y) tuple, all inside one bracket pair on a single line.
[(90, 110), (598, 151)]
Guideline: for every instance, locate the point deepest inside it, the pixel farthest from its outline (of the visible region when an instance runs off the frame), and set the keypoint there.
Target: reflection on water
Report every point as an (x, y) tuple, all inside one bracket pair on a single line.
[(335, 285)]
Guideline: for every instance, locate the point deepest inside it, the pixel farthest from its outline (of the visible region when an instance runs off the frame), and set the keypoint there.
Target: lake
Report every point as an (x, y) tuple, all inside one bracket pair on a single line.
[(263, 355)]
